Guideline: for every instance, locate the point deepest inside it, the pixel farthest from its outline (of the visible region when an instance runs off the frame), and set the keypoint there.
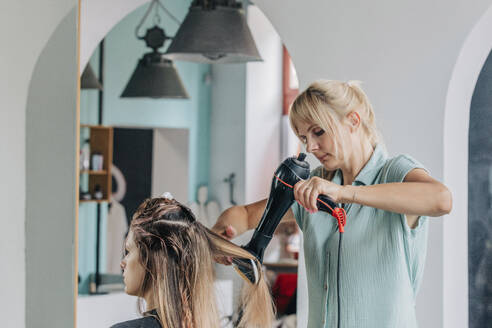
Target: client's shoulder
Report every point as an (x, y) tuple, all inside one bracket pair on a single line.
[(145, 322)]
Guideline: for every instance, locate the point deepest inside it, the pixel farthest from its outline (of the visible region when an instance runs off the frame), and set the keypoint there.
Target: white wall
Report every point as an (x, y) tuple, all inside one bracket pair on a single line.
[(263, 108), (170, 163), (25, 27), (51, 167), (102, 311), (227, 131)]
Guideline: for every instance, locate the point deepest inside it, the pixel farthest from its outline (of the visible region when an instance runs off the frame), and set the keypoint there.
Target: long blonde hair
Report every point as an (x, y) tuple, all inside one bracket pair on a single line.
[(327, 103), (178, 254)]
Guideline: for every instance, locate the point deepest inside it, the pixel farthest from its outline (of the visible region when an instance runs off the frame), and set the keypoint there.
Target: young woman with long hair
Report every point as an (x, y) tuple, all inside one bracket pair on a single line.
[(169, 263)]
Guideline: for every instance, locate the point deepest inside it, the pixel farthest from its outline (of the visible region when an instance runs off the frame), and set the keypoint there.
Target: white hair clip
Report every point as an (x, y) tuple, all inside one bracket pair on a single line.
[(167, 195)]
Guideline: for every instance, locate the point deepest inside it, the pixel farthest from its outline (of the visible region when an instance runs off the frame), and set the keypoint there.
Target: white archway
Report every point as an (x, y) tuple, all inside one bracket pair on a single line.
[(467, 69)]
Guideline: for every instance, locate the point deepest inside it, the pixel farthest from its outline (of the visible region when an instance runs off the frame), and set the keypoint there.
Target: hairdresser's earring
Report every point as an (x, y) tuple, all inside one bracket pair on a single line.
[(354, 121), (358, 117)]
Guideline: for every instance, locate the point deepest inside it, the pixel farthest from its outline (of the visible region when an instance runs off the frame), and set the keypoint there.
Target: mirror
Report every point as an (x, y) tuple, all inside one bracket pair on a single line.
[(218, 147), (479, 200)]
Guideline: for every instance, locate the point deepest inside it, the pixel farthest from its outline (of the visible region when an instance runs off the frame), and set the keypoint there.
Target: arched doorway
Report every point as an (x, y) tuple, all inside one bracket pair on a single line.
[(456, 149), (50, 132)]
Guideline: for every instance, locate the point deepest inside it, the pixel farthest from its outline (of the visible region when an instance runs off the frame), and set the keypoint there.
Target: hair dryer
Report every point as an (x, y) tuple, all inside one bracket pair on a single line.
[(281, 199)]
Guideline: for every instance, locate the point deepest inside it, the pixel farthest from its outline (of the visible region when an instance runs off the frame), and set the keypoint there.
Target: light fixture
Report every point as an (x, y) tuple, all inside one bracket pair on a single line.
[(88, 80), (214, 31), (154, 76)]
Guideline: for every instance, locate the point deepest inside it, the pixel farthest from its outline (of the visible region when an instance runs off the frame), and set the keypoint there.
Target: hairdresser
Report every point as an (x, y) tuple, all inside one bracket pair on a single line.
[(387, 201)]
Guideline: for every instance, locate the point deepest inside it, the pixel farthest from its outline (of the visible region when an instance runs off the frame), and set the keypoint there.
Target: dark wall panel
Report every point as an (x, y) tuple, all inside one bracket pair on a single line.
[(132, 154)]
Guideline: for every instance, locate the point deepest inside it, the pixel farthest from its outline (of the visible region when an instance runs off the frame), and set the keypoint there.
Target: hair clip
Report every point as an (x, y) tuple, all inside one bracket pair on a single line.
[(167, 195)]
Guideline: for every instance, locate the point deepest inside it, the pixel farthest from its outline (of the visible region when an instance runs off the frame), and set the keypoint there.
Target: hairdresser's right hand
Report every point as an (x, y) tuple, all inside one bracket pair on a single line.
[(236, 220)]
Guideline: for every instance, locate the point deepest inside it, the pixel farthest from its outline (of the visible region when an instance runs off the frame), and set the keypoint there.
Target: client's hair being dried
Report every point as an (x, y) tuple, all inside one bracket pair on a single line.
[(178, 254)]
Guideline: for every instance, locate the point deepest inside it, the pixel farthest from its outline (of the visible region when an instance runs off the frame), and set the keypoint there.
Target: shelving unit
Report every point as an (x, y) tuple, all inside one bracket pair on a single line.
[(100, 141), (94, 172)]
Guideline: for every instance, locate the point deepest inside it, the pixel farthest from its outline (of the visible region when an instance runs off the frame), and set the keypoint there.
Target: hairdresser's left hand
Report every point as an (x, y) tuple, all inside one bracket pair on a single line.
[(306, 192)]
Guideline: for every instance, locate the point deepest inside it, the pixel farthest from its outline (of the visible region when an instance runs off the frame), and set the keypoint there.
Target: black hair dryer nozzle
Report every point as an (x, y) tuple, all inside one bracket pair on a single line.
[(281, 199)]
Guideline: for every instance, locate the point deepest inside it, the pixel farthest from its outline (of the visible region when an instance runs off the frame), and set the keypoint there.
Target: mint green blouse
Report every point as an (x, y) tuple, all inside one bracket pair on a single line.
[(382, 258)]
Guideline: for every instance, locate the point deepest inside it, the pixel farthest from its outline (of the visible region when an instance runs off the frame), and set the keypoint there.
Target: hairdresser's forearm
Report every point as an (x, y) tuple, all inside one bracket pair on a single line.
[(412, 198), (236, 216)]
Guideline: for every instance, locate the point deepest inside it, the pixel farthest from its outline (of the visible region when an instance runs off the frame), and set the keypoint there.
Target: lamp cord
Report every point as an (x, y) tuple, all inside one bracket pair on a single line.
[(152, 5)]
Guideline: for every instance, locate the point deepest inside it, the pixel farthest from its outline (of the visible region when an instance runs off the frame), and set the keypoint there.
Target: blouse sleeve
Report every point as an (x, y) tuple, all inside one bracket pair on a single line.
[(415, 240), (395, 170)]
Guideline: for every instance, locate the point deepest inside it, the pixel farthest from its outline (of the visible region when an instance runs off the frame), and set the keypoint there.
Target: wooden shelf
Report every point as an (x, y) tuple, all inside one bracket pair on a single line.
[(93, 201), (101, 172), (90, 126), (101, 142)]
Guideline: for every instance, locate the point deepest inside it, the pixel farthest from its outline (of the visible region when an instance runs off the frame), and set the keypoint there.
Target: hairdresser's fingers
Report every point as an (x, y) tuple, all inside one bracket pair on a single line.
[(307, 198), (319, 187), (313, 195), (225, 260), (306, 190), (298, 192), (230, 232)]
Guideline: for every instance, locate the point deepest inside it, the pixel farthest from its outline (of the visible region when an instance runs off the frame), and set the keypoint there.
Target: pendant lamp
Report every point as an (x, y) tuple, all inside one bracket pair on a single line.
[(154, 76), (88, 80), (214, 31)]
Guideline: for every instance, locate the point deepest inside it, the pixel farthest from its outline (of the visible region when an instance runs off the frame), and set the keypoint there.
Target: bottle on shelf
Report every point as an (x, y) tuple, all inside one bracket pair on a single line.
[(98, 193), (84, 195), (85, 155), (97, 161)]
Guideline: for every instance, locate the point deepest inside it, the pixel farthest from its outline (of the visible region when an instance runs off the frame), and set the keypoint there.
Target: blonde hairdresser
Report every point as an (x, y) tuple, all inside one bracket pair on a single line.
[(387, 199)]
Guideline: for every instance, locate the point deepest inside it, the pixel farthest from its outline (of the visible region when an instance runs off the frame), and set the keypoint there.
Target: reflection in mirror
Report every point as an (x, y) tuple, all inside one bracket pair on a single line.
[(480, 201), (234, 123)]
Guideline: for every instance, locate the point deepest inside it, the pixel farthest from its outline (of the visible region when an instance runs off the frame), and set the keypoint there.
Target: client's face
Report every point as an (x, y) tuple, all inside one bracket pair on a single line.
[(133, 271)]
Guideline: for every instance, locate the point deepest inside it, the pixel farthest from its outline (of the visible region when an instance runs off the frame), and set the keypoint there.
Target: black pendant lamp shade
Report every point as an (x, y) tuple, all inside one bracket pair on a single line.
[(214, 32), (155, 76), (88, 80)]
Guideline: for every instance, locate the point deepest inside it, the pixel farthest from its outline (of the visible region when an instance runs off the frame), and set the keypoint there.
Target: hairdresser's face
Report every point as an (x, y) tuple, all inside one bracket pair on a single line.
[(319, 143), (133, 270)]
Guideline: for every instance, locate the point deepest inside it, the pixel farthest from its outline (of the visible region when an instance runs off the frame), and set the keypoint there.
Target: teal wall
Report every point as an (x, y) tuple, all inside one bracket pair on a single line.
[(121, 52)]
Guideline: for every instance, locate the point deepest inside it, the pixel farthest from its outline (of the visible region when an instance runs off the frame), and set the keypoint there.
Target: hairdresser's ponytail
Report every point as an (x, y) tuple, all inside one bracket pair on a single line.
[(368, 120)]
